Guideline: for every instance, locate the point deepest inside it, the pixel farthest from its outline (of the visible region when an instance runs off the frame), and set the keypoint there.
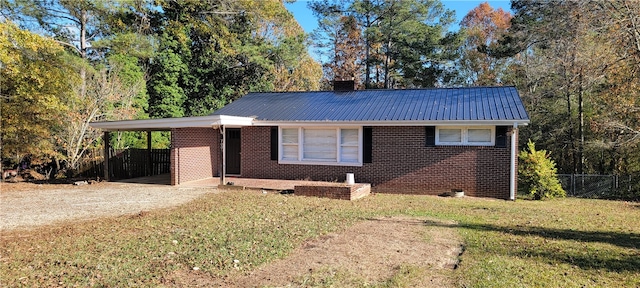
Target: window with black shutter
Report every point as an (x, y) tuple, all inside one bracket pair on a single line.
[(501, 136), (430, 136), (274, 143), (367, 149)]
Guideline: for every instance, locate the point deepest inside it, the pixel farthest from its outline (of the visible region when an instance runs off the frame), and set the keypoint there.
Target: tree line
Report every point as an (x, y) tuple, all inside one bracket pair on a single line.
[(67, 63), (575, 63)]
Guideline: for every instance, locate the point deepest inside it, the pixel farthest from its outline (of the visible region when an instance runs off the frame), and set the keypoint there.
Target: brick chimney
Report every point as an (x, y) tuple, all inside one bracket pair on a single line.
[(344, 85)]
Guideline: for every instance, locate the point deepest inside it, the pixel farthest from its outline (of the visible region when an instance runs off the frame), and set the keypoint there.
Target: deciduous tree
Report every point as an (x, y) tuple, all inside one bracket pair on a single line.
[(34, 83), (563, 56), (109, 96), (98, 53), (483, 26)]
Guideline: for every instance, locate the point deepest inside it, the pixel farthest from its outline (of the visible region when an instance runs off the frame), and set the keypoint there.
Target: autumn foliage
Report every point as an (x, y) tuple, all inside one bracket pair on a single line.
[(575, 64), (34, 83), (484, 26), (76, 62)]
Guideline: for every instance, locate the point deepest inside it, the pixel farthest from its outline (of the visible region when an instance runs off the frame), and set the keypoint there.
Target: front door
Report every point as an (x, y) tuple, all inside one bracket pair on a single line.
[(233, 150)]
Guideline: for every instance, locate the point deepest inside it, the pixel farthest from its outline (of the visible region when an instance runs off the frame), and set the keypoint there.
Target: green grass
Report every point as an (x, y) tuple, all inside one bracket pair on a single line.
[(559, 243)]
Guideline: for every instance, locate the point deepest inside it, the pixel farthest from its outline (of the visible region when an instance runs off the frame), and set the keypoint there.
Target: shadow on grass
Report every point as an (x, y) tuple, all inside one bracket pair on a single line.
[(598, 259), (624, 240)]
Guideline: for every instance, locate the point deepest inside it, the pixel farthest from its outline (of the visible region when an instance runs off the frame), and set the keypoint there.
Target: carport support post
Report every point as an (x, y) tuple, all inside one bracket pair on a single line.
[(149, 159), (106, 155)]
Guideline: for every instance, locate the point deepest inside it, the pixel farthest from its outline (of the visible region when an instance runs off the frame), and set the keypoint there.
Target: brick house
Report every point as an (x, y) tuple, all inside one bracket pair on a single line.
[(415, 141)]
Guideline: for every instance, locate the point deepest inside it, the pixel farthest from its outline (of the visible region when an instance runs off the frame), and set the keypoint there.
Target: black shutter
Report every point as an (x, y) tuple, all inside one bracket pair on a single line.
[(274, 143), (367, 150), (501, 136), (430, 136)]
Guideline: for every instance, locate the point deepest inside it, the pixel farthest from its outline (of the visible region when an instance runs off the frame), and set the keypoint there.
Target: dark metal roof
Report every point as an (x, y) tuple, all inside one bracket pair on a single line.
[(438, 104)]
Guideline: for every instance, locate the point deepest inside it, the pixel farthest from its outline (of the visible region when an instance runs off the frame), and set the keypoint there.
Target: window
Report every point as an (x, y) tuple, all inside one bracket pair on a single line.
[(479, 135), (319, 145), (322, 146), (468, 136), (450, 135), (289, 144), (349, 145)]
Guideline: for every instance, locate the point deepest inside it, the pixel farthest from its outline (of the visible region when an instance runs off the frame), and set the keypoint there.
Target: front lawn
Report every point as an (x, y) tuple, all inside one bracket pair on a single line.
[(559, 243)]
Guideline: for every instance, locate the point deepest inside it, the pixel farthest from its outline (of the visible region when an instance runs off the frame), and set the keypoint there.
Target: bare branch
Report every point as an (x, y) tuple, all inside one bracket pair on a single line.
[(68, 45)]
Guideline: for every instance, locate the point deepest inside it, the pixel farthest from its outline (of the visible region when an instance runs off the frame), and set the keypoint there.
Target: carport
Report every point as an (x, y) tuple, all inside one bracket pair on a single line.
[(127, 163), (218, 123)]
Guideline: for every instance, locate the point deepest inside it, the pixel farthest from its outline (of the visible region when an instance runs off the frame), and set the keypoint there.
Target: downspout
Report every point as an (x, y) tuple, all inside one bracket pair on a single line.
[(223, 145), (514, 155)]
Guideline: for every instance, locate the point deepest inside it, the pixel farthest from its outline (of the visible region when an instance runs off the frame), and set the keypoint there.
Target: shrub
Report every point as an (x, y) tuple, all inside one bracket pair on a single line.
[(538, 175)]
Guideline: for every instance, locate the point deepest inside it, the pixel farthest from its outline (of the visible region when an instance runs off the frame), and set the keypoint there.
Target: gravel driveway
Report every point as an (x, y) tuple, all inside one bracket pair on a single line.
[(25, 205)]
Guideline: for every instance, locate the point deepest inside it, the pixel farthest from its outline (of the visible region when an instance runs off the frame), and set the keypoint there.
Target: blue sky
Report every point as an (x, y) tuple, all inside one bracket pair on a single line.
[(309, 22)]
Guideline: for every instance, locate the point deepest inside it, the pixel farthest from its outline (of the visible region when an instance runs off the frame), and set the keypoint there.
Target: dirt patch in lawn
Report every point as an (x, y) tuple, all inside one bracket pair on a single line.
[(413, 252), (26, 205)]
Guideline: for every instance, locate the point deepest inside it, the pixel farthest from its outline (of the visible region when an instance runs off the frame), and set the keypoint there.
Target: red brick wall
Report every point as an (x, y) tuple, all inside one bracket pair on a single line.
[(401, 164), (194, 154), (335, 191)]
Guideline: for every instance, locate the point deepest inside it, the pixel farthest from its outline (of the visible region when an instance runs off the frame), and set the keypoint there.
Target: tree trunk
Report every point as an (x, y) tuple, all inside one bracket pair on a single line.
[(572, 147), (367, 51), (83, 53), (581, 115), (386, 64)]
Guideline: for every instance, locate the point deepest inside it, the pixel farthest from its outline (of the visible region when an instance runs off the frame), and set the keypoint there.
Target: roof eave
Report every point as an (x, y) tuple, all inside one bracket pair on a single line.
[(520, 122), (165, 124)]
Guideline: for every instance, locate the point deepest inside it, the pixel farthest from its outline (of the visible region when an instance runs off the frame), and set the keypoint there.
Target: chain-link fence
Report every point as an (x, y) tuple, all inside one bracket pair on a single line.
[(601, 186)]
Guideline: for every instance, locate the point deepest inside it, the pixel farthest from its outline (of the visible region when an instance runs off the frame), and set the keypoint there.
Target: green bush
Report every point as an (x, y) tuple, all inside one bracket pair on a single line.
[(538, 175)]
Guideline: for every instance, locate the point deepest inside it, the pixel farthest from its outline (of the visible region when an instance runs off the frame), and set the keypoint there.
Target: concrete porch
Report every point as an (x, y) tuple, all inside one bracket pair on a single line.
[(248, 183)]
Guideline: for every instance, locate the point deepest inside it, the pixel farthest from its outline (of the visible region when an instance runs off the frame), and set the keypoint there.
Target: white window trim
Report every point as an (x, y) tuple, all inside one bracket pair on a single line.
[(281, 145), (465, 136), (339, 146)]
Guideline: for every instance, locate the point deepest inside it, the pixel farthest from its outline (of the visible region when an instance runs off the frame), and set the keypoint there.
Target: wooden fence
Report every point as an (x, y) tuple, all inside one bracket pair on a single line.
[(127, 163), (92, 166)]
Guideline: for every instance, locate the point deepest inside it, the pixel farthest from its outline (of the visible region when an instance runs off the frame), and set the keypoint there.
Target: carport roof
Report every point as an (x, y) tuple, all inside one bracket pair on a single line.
[(165, 124)]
